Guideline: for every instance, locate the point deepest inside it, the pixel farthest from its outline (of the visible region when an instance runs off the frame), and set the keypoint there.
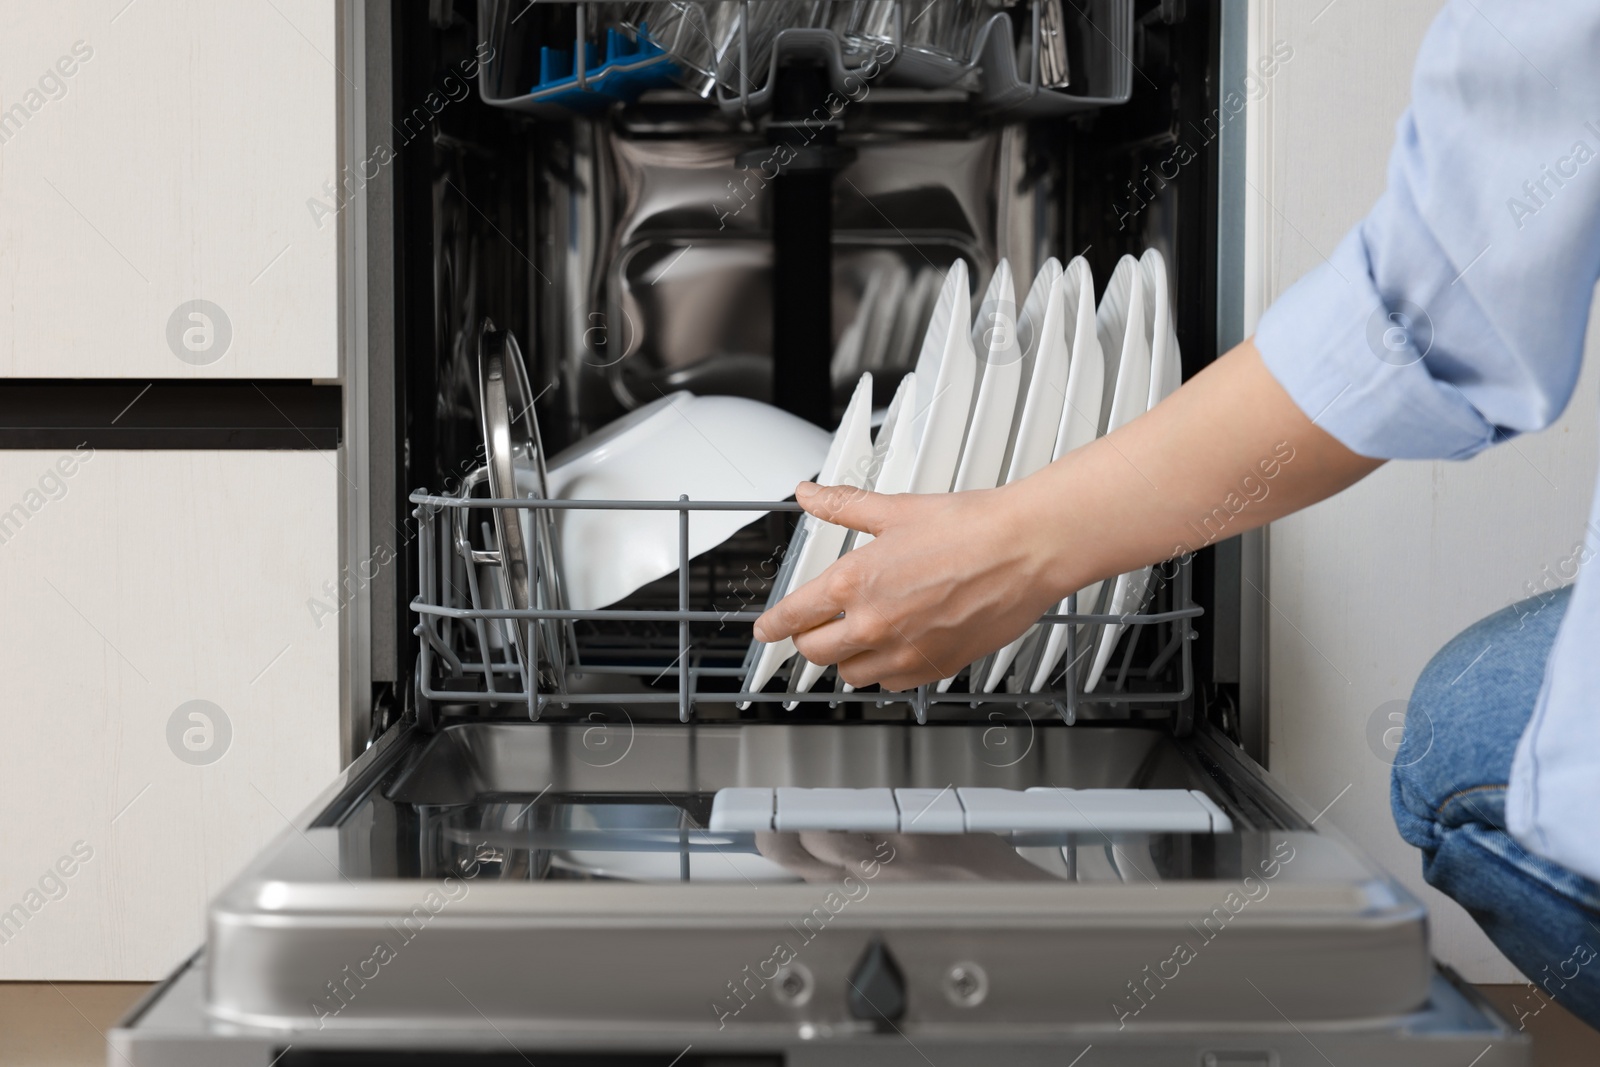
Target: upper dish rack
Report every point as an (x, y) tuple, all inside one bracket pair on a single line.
[(1069, 56), (681, 643)]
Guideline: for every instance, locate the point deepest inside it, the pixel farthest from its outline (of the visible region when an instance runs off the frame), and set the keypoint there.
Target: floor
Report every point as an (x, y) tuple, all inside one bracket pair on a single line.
[(62, 1024), (1559, 1039)]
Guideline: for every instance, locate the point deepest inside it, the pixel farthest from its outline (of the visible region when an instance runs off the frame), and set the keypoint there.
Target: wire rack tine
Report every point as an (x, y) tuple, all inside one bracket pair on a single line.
[(684, 674), (580, 47), (1069, 713)]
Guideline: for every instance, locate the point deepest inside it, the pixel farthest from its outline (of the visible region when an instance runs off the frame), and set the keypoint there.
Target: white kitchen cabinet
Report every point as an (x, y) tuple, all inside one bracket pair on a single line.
[(135, 584), (1366, 587), (172, 696), (158, 152)]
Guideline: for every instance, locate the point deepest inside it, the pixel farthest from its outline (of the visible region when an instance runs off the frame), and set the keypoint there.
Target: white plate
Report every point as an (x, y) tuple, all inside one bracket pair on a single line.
[(994, 338), (1166, 362), (946, 370), (865, 341), (898, 443), (726, 863), (721, 865), (1120, 326), (847, 354), (892, 456), (904, 340), (894, 451), (1081, 415), (1154, 319), (817, 543), (703, 447), (1040, 422), (893, 296), (1044, 378)]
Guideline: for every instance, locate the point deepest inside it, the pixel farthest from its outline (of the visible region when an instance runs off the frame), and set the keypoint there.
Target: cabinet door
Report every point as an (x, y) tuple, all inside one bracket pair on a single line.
[(172, 671), (163, 210)]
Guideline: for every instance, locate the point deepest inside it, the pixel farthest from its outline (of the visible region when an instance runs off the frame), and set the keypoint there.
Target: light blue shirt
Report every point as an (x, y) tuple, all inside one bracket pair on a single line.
[(1453, 318)]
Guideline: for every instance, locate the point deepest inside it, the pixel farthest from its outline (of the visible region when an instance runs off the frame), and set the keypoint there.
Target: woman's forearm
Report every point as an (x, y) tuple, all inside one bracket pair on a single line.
[(1226, 453)]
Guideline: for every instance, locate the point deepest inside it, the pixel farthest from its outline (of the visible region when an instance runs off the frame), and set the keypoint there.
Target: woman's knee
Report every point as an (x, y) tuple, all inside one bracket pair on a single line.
[(1468, 711)]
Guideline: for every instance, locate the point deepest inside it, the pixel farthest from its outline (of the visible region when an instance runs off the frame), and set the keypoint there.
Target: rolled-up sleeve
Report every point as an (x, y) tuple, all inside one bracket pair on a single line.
[(1453, 316)]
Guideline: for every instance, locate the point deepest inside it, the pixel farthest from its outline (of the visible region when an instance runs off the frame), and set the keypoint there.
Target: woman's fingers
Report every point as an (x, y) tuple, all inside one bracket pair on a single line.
[(895, 671), (829, 643), (845, 505), (834, 591), (790, 852), (866, 636), (806, 608)]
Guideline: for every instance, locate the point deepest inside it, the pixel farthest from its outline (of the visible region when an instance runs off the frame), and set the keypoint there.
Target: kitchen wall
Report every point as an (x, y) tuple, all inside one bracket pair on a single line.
[(1364, 588)]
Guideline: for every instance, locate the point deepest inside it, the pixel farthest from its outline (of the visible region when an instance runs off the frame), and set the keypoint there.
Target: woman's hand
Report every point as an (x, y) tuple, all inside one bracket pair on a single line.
[(948, 578), (954, 576), (829, 856)]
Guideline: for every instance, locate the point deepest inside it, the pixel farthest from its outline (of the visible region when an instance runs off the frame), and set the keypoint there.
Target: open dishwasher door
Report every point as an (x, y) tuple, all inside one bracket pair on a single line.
[(555, 892)]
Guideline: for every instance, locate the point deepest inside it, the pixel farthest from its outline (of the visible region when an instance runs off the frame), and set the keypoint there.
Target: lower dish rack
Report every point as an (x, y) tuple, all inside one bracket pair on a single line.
[(680, 644)]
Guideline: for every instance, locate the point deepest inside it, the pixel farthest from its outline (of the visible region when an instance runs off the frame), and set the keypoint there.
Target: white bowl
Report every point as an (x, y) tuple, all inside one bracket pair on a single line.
[(702, 447)]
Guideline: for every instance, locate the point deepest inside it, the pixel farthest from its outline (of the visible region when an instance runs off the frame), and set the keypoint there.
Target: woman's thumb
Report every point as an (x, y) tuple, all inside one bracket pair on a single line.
[(846, 505)]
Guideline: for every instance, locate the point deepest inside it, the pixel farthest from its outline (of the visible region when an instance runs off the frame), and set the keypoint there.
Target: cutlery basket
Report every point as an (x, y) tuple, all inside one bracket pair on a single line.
[(1035, 58)]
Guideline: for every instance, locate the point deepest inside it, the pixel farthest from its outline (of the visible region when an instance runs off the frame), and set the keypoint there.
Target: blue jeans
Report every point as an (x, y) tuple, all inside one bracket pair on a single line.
[(1450, 773)]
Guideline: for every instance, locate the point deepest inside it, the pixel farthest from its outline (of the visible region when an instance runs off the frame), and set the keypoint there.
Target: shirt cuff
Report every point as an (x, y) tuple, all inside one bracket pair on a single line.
[(1356, 364)]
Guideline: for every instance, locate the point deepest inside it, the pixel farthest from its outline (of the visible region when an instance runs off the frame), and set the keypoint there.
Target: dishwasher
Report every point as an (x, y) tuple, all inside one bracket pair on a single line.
[(576, 836)]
